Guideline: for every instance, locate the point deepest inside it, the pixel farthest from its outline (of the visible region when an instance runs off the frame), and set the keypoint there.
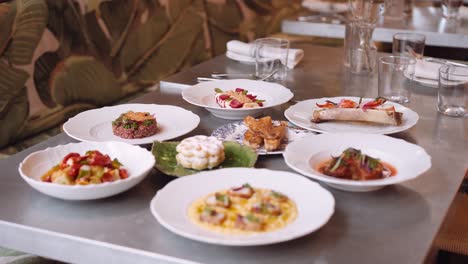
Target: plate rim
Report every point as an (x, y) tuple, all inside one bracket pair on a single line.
[(141, 141), (237, 243), (288, 115)]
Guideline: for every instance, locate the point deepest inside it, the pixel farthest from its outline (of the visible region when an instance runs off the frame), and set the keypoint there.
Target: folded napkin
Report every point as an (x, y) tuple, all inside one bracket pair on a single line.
[(241, 51), (427, 70), (463, 12), (325, 7)]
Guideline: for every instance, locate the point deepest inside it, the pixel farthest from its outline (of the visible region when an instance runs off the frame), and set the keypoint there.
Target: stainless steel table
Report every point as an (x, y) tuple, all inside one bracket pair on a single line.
[(425, 20), (394, 225)]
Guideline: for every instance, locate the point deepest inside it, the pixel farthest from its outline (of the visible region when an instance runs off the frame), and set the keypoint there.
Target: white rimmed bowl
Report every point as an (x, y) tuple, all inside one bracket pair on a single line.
[(305, 154), (138, 162), (203, 95), (315, 204)]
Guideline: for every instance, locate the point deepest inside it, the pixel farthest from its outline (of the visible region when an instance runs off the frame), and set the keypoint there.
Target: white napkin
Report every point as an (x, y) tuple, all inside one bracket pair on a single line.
[(238, 50), (427, 70), (463, 12), (325, 7)]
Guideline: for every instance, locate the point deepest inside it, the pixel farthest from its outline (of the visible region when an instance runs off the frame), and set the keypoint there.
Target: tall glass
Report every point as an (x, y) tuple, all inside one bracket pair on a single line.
[(369, 11), (360, 50), (452, 96), (396, 75), (450, 8), (271, 58)]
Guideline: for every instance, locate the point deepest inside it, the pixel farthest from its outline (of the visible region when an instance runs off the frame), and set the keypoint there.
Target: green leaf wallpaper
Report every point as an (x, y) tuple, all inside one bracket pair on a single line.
[(110, 49)]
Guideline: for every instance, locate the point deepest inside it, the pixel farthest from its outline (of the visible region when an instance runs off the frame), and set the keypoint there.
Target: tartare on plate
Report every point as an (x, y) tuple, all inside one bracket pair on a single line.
[(135, 125)]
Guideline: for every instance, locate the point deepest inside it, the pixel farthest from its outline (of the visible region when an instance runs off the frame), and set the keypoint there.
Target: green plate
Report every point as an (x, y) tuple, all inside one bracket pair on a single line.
[(236, 156)]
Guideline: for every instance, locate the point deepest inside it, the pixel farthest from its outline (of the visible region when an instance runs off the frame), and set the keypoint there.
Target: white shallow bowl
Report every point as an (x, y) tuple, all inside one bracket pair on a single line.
[(300, 114), (96, 125), (203, 95), (138, 162), (410, 160), (315, 204)]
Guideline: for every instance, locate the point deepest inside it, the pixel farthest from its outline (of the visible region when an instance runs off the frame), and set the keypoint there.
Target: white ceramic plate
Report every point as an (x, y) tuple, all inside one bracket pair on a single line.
[(235, 132), (409, 160), (203, 95), (314, 203), (300, 114), (427, 82), (96, 125), (138, 162)]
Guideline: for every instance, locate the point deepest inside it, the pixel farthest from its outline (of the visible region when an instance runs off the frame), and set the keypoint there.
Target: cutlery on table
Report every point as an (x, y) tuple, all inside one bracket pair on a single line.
[(223, 76)]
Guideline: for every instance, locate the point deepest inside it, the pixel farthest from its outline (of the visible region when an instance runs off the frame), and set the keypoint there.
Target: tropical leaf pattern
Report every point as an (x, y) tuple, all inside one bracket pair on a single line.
[(109, 50), (30, 22)]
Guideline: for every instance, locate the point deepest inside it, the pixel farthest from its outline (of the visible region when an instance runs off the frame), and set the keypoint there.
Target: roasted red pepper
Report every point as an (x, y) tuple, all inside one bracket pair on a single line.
[(346, 103), (373, 104), (327, 104)]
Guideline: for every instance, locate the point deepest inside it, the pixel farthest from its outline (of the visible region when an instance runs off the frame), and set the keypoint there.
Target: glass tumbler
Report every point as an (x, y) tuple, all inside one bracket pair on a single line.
[(450, 8), (271, 58), (396, 75), (452, 96), (409, 44)]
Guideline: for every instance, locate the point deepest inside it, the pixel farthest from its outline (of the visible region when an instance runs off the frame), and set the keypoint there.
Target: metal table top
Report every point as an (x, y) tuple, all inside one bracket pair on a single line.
[(396, 224), (425, 20)]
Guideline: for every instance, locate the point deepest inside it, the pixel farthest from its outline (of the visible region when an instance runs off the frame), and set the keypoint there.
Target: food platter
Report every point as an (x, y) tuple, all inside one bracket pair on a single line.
[(235, 131), (311, 216), (409, 160), (203, 95), (137, 161), (165, 152), (300, 114), (96, 125)]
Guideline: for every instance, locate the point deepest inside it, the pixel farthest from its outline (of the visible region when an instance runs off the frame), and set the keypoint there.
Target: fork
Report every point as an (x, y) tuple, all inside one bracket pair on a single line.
[(221, 76)]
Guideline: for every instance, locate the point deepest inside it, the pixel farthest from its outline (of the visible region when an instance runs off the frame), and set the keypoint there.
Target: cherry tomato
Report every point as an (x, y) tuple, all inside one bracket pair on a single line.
[(72, 155), (107, 177), (123, 173), (239, 90), (74, 169)]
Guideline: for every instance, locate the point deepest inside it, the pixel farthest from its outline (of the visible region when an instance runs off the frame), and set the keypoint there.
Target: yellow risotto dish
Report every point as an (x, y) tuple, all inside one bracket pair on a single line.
[(242, 210)]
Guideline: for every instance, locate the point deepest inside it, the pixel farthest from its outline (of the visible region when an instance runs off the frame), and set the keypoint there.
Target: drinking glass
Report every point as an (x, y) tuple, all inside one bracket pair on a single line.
[(409, 44), (450, 8), (396, 75), (369, 11), (452, 96), (271, 57)]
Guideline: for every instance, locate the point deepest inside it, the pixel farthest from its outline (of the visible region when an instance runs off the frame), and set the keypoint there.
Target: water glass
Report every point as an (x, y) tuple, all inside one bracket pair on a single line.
[(396, 75), (271, 58), (450, 8), (452, 96), (409, 44)]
